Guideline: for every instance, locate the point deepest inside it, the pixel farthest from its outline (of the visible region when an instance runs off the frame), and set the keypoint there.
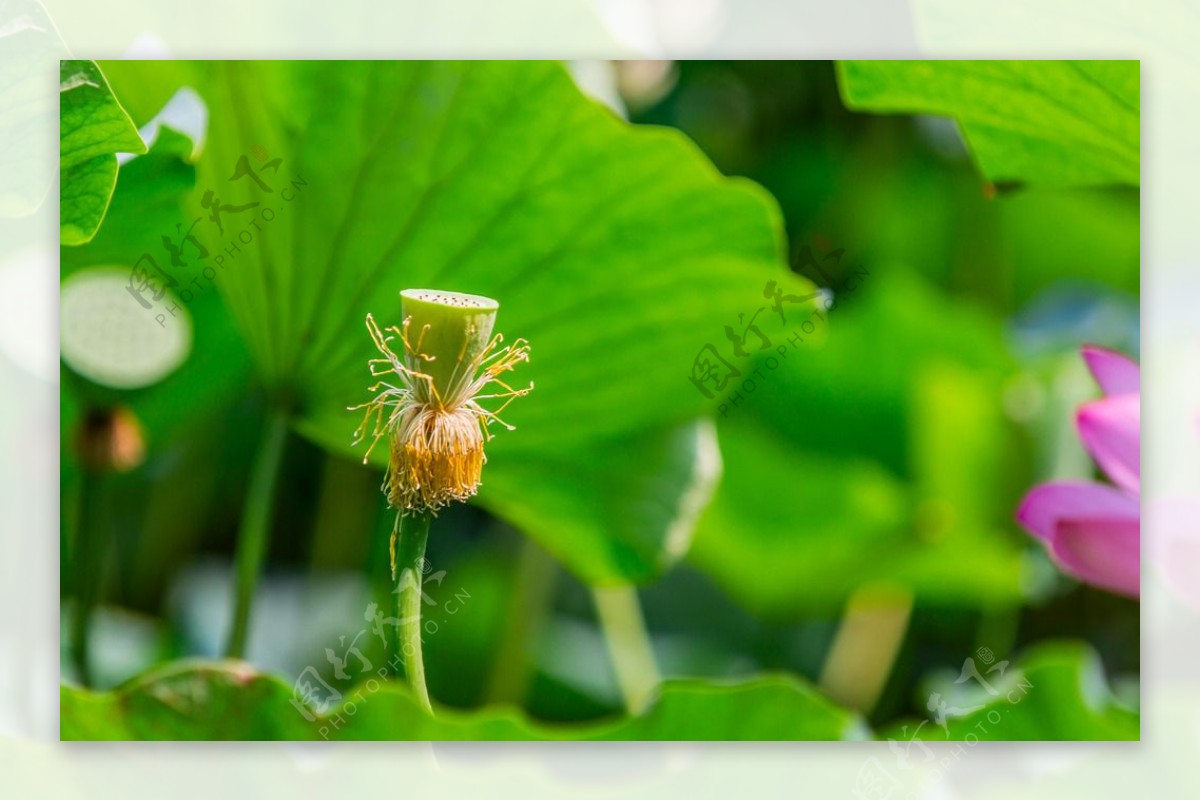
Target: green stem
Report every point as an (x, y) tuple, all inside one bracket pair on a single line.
[(629, 646), (412, 532), (346, 515), (86, 571), (254, 530), (868, 640), (533, 578)]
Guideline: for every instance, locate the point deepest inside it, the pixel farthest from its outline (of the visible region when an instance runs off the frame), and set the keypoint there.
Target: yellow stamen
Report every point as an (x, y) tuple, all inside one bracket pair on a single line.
[(436, 455)]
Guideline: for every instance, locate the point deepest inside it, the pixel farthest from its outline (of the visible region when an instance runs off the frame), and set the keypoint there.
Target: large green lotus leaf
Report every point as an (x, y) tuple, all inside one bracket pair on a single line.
[(618, 251), (93, 128), (1046, 122), (613, 520), (230, 701), (880, 456), (1057, 691), (622, 512)]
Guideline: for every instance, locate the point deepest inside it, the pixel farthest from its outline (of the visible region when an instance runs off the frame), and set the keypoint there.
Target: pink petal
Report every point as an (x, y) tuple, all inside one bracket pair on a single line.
[(1111, 431), (1105, 553), (1046, 506), (1115, 372)]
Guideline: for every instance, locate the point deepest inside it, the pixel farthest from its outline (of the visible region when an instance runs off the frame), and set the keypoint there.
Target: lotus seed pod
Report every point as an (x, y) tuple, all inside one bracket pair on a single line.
[(431, 414), (448, 331)]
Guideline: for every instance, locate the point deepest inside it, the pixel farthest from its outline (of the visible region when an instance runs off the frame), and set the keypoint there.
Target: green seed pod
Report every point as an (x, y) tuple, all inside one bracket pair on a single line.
[(448, 332)]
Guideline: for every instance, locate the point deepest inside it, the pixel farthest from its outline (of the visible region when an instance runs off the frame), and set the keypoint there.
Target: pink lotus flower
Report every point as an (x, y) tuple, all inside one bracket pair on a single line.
[(1093, 531)]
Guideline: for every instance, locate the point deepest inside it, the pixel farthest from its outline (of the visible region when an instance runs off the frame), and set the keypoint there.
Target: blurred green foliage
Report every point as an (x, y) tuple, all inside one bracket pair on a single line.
[(1058, 693)]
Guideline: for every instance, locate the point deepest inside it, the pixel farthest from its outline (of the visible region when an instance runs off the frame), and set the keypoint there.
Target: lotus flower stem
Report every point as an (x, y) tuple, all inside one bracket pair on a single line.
[(624, 629), (409, 538), (533, 578), (866, 644), (254, 530), (85, 568), (432, 404), (108, 441)]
